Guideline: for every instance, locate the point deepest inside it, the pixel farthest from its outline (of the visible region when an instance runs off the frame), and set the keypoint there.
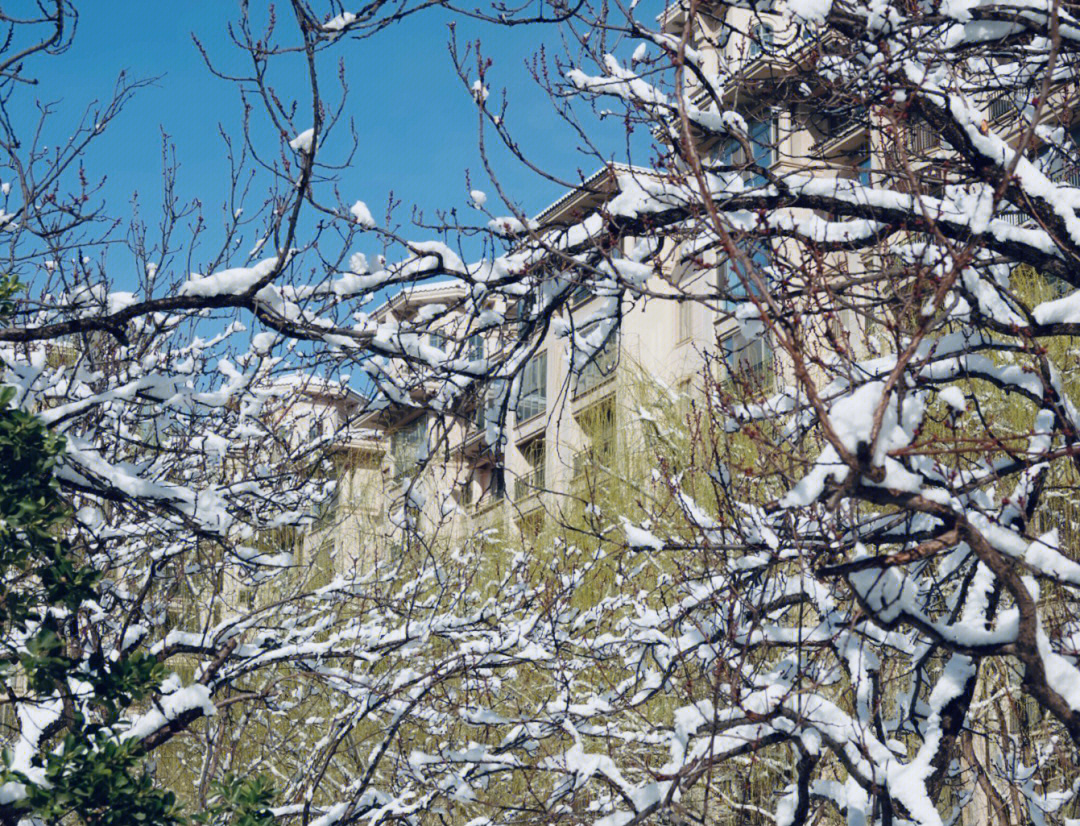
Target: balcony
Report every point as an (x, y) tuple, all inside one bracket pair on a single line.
[(529, 484), (1067, 177), (845, 130), (1001, 107), (489, 500), (923, 138), (598, 370)]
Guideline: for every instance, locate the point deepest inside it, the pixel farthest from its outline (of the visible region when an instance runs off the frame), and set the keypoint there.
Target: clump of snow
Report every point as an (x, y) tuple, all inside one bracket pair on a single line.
[(262, 342), (362, 215), (810, 11), (748, 317), (640, 538), (358, 263), (479, 198), (303, 142), (852, 420), (234, 281), (734, 122), (509, 226), (954, 397), (1059, 311), (119, 301), (172, 706), (336, 24), (479, 91)]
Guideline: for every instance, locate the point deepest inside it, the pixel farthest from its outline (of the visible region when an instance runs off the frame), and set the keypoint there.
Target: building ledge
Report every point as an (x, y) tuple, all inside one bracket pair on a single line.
[(527, 428), (849, 136), (595, 392)]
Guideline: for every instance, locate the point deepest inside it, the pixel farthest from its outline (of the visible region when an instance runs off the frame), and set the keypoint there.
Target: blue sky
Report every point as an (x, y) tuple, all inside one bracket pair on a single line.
[(416, 122)]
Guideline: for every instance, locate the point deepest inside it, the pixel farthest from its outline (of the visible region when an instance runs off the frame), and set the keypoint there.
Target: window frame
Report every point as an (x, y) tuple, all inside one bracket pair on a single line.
[(759, 43), (762, 369), (592, 373), (475, 347), (406, 445), (532, 481), (535, 396)]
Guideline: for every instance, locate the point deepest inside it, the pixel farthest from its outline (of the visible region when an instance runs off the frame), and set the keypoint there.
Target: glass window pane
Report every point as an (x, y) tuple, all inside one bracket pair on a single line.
[(761, 141), (600, 367), (533, 399), (476, 347)]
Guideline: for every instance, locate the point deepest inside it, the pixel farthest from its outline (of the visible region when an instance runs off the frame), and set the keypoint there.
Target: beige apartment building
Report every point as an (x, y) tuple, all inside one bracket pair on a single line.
[(569, 419), (442, 475)]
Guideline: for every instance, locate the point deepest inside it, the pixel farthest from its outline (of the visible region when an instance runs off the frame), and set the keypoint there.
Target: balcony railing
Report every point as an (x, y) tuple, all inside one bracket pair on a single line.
[(1001, 106), (842, 125), (923, 138), (529, 483), (1068, 177)]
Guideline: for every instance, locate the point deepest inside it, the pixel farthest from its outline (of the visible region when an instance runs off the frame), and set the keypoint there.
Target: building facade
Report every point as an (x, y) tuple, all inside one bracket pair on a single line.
[(454, 475)]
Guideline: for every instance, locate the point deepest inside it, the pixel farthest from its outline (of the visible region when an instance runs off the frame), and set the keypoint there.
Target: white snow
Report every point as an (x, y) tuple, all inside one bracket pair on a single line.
[(304, 142), (171, 706), (640, 538), (339, 22), (954, 397), (362, 215), (235, 281)]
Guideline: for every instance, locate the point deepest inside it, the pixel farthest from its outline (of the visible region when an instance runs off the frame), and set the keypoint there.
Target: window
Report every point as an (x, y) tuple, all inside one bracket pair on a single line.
[(490, 486), (483, 413), (532, 480), (600, 367), (862, 169), (686, 320), (465, 489), (407, 446), (597, 424), (496, 483), (922, 136), (580, 294), (728, 272), (1002, 105), (436, 340), (761, 132), (761, 39), (526, 306), (842, 122), (476, 347), (762, 140), (532, 400), (748, 361)]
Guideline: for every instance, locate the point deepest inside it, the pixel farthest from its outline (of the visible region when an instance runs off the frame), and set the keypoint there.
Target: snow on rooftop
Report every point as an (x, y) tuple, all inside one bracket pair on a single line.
[(313, 385)]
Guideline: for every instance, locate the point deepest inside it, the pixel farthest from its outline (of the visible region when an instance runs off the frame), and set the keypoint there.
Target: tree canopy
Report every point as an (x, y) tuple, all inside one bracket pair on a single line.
[(838, 587)]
